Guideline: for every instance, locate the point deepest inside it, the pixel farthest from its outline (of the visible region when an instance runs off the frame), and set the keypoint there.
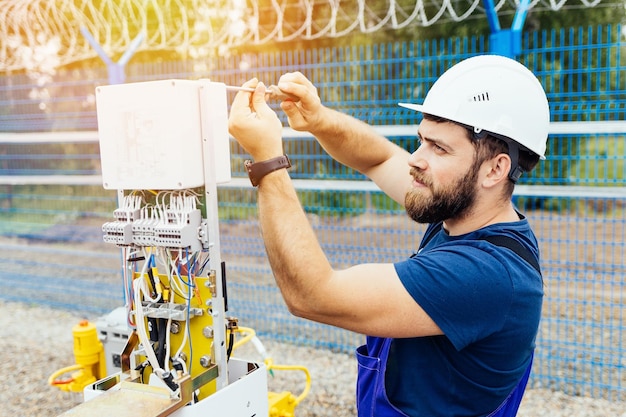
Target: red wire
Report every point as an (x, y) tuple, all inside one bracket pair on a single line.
[(62, 381)]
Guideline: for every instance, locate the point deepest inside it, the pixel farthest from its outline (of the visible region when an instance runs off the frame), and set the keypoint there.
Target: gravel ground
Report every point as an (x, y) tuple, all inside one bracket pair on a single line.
[(36, 341)]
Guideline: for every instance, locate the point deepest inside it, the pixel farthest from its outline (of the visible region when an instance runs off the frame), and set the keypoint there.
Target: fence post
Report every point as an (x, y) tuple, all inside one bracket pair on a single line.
[(116, 69)]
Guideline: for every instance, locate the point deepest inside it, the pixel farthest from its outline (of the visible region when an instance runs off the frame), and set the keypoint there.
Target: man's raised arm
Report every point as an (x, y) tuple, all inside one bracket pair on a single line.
[(347, 139)]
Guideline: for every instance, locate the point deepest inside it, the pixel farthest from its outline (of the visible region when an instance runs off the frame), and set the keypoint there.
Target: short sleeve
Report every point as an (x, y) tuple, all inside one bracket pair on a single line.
[(465, 290)]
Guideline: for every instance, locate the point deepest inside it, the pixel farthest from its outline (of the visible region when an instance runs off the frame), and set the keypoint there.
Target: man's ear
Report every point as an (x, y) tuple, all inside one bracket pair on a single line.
[(496, 170)]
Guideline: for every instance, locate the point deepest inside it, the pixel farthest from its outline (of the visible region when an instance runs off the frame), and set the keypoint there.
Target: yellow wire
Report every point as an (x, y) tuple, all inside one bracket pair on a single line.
[(307, 387), (269, 362), (62, 371), (248, 335)]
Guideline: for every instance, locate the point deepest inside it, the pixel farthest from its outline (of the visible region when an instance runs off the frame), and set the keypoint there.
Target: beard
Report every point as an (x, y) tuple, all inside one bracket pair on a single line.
[(452, 201)]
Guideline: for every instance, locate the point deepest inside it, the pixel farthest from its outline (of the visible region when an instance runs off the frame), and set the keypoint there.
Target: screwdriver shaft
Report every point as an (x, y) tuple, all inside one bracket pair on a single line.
[(273, 91)]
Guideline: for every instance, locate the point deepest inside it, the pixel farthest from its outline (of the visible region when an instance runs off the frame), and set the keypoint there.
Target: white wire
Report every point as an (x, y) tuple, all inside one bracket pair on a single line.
[(142, 332), (182, 344), (172, 272), (168, 331), (175, 281)]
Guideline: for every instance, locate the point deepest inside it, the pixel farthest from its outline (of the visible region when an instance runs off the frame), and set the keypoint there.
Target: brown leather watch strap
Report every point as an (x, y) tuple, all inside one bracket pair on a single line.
[(257, 170)]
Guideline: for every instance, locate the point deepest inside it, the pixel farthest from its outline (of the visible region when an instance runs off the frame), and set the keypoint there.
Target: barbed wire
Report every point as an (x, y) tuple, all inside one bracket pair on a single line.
[(44, 34)]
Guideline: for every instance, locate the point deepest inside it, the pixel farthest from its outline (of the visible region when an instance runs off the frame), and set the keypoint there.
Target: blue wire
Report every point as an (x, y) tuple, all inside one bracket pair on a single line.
[(205, 263), (194, 263), (189, 283)]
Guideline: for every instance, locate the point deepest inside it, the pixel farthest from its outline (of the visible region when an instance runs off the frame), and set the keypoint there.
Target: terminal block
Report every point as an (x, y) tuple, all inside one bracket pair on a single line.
[(119, 232), (179, 230), (143, 232), (174, 229), (126, 215)]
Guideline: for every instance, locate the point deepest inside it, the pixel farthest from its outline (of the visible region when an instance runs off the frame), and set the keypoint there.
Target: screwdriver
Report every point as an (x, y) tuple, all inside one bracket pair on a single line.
[(274, 92)]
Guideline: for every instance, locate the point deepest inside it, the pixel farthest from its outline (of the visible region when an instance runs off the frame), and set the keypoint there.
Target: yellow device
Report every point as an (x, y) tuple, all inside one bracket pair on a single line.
[(89, 356)]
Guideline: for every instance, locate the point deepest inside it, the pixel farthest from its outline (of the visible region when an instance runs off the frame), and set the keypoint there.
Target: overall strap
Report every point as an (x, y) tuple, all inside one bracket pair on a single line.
[(498, 240), (515, 246)]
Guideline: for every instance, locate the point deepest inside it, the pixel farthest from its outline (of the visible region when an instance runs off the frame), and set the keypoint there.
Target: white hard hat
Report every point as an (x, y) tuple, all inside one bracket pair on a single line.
[(494, 94)]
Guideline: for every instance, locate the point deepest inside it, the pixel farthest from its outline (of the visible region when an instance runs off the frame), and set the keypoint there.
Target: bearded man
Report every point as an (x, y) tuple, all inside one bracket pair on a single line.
[(451, 330)]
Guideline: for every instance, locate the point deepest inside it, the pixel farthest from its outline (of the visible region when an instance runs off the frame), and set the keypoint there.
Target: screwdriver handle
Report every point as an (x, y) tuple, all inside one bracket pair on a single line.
[(278, 94)]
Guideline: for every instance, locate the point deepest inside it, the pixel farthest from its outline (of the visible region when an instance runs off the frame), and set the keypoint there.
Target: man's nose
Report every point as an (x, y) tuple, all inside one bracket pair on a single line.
[(416, 159)]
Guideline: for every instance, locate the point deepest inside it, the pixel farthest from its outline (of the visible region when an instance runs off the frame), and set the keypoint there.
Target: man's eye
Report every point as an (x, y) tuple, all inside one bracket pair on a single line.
[(439, 148)]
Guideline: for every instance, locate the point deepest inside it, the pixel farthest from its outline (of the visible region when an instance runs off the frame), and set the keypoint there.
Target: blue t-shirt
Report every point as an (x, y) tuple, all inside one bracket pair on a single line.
[(487, 301)]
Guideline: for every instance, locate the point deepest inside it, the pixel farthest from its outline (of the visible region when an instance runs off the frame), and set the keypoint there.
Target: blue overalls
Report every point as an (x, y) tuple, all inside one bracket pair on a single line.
[(372, 398)]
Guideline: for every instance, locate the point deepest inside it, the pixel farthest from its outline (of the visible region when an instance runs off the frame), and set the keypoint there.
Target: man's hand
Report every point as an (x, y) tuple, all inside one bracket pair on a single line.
[(254, 124), (304, 114)]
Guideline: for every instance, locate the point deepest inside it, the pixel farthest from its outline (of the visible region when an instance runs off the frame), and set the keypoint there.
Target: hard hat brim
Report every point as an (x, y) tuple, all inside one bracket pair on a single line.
[(416, 107), (420, 108)]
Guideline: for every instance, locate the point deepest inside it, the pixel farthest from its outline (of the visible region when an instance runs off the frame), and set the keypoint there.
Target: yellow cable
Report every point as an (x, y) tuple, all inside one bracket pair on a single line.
[(56, 374), (248, 335), (269, 363)]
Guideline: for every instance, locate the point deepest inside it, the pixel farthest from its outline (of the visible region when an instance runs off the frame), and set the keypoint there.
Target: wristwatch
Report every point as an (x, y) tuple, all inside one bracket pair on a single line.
[(257, 170)]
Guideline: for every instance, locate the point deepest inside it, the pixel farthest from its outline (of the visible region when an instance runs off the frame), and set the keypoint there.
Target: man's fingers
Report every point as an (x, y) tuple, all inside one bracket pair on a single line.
[(296, 84), (259, 102), (258, 97), (291, 111), (241, 102)]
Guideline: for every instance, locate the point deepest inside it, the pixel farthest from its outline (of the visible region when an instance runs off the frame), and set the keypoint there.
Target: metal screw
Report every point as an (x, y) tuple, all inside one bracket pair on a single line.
[(174, 327), (207, 332), (205, 361)]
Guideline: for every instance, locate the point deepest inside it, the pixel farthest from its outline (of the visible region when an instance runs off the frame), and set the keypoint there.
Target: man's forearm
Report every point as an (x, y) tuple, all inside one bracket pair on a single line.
[(352, 142), (297, 260)]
